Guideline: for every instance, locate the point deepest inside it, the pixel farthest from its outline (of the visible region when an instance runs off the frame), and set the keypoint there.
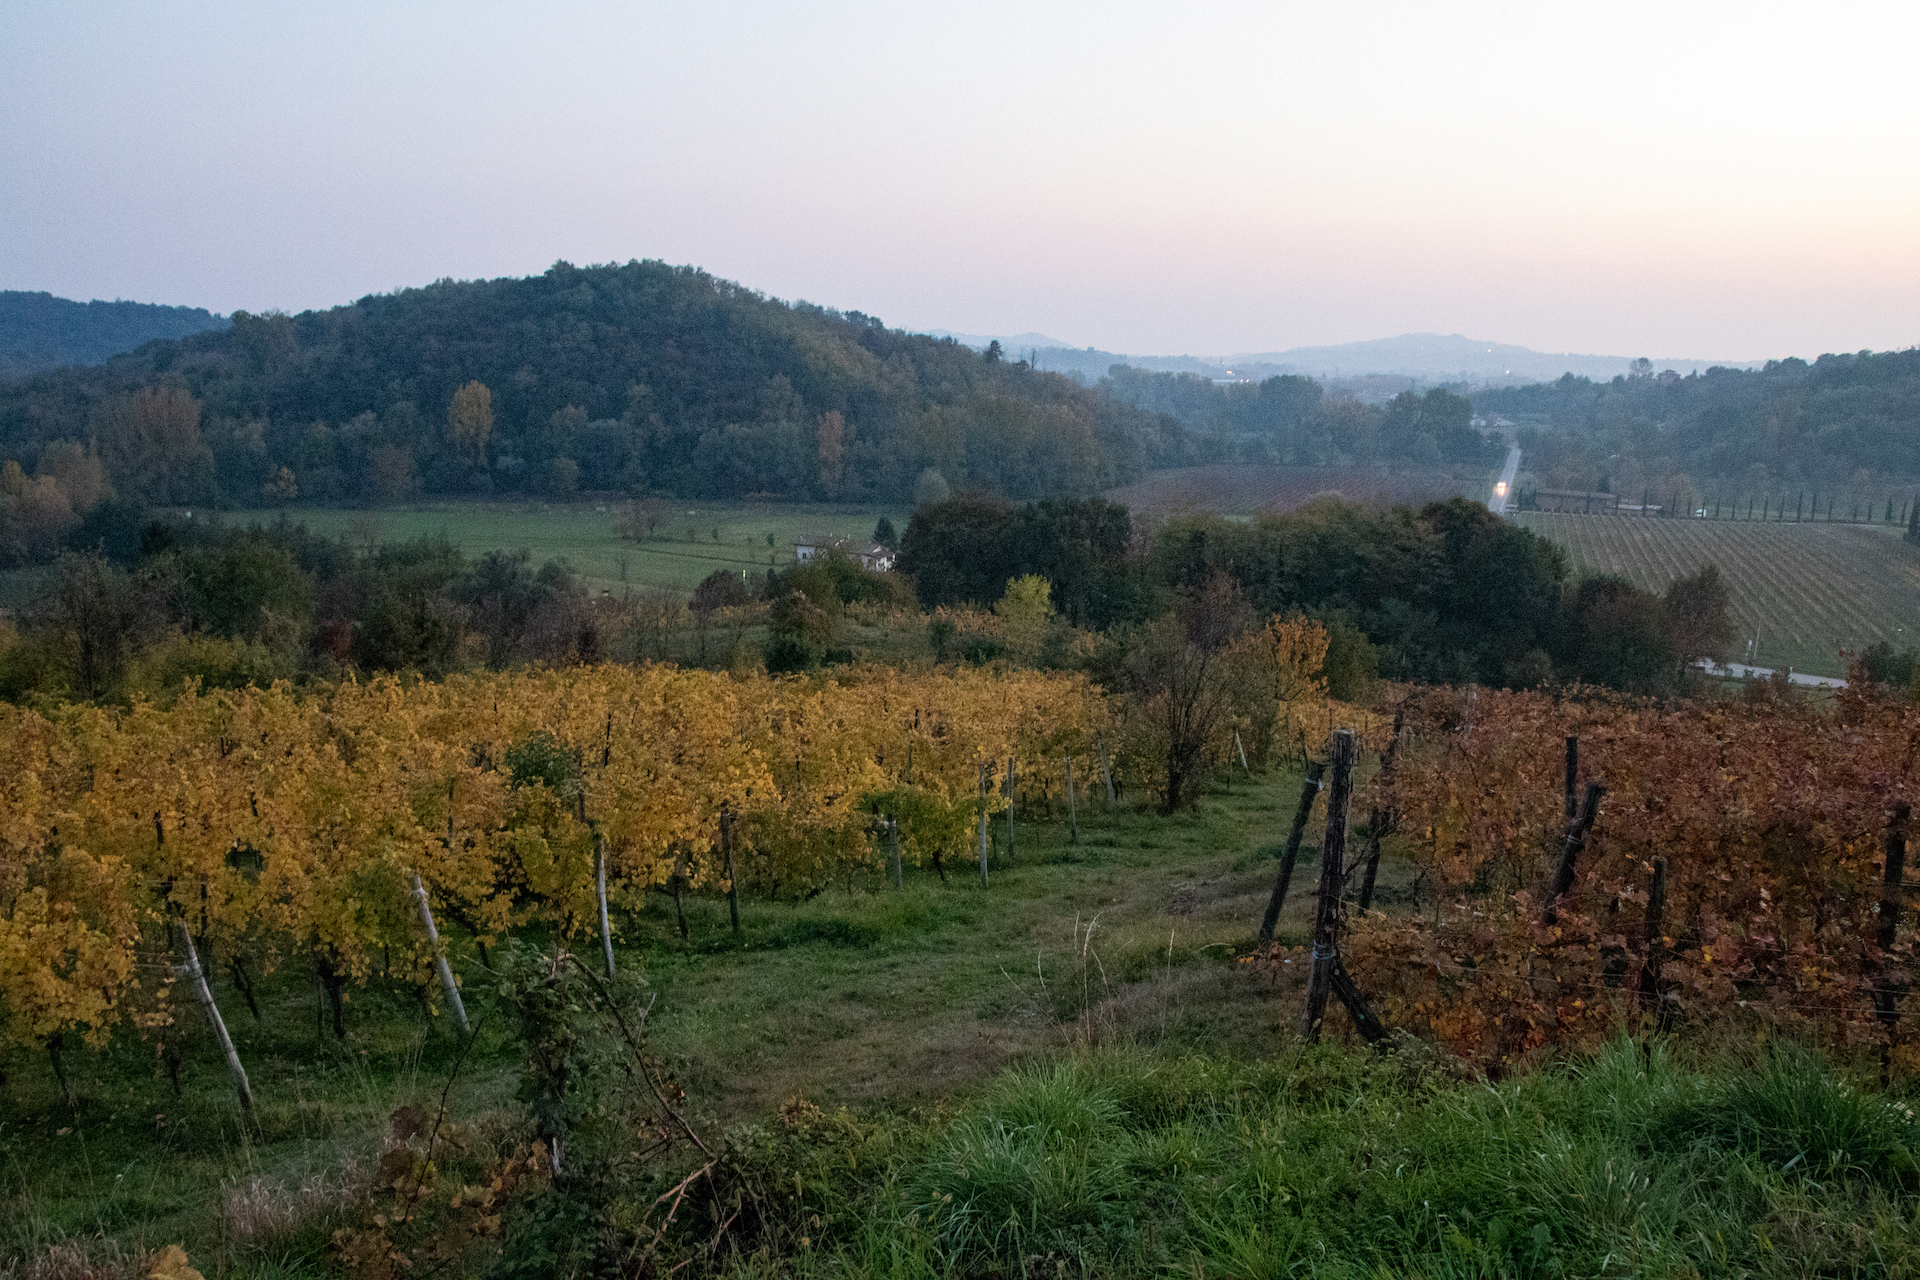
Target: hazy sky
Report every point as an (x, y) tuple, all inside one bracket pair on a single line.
[(1729, 180)]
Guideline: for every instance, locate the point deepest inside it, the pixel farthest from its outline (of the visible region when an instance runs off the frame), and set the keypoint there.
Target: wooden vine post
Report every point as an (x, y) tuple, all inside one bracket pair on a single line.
[(893, 850), (1009, 808), (679, 903), (600, 872), (1326, 915), (1316, 769), (1570, 851), (447, 984), (1656, 911), (1073, 813), (983, 824), (1329, 976), (600, 891), (1885, 997), (198, 977), (1106, 771), (726, 855)]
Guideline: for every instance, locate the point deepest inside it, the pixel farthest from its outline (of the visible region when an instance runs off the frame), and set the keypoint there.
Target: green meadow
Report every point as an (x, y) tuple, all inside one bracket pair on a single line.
[(690, 542)]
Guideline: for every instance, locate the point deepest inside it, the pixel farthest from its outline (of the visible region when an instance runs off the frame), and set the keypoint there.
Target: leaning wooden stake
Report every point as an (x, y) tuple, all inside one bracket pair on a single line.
[(1656, 911), (1315, 770), (679, 904), (726, 853), (893, 849), (600, 890), (1073, 814), (1106, 771), (1885, 998), (1009, 808), (1333, 860), (447, 983), (196, 975), (983, 823), (1570, 851), (1238, 746)]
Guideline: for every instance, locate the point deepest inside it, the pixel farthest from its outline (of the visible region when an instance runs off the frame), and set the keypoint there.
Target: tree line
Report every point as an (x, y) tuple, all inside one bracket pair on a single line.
[(1290, 420), (635, 378), (1447, 594), (1843, 422)]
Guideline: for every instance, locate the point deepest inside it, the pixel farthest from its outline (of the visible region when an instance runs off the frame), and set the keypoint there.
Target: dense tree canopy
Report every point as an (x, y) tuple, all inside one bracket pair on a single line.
[(642, 377), (966, 550), (1290, 420), (1844, 421), (1447, 593)]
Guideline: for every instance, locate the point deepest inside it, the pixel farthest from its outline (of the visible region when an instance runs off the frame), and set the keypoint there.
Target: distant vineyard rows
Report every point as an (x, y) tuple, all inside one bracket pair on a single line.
[(1809, 590)]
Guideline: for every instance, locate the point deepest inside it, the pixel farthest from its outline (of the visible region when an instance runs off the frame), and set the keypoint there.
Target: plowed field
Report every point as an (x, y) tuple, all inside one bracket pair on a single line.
[(1238, 490)]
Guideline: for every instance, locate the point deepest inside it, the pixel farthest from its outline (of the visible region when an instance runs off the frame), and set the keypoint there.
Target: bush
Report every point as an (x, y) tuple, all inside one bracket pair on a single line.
[(539, 757), (721, 589), (212, 662), (787, 654), (833, 579)]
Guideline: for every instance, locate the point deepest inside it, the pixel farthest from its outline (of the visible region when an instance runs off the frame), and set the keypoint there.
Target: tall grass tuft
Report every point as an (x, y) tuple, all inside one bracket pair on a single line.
[(1335, 1163)]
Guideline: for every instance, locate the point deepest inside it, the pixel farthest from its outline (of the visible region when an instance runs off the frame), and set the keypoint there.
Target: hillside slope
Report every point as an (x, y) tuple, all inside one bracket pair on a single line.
[(39, 331), (642, 377)]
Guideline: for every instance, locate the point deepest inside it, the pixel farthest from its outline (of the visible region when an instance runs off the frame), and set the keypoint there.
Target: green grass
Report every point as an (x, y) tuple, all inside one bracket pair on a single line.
[(1060, 1074), (1809, 590), (862, 995), (681, 552), (1325, 1162)]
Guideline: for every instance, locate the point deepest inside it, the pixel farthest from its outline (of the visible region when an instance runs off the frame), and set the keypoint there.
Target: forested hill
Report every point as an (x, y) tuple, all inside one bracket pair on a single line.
[(39, 331), (615, 378), (1788, 423)]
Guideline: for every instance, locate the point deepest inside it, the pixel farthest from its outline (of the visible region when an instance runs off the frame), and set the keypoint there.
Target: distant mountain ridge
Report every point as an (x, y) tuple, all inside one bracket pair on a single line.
[(1424, 357), (39, 331), (1455, 357), (1013, 344)]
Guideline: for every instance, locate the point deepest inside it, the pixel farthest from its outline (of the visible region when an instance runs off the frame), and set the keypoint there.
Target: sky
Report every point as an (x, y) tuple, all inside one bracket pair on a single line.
[(1732, 181)]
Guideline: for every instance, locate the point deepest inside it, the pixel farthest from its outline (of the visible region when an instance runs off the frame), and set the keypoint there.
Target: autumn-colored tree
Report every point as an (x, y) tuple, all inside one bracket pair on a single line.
[(470, 420), (1182, 690), (1024, 612), (150, 441), (1272, 670)]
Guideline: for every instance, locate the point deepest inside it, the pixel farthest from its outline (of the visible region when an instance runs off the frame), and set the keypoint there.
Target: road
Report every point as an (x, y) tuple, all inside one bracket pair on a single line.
[(1503, 492)]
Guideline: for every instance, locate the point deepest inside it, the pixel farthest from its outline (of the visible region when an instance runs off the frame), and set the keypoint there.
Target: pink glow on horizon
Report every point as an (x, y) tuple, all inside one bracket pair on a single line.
[(1714, 180)]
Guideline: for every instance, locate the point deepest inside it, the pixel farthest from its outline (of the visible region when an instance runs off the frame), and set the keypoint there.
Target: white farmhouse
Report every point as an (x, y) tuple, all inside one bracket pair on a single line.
[(871, 555)]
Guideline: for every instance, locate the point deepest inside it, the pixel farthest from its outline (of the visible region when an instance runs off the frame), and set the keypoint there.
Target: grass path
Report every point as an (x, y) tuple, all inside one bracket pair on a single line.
[(862, 995), (871, 996)]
